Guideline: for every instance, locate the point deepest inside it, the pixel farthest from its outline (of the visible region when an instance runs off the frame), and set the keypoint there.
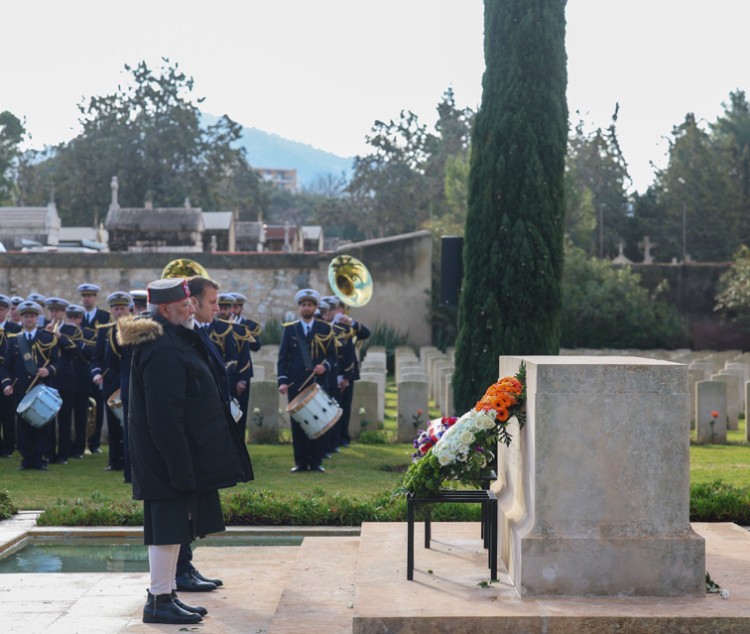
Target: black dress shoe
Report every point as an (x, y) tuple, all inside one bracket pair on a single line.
[(200, 577), (319, 468), (188, 582), (97, 450), (161, 608), (299, 468), (195, 609)]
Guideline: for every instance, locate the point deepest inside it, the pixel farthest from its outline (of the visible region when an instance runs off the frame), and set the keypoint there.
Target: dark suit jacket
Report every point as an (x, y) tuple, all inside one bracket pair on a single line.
[(292, 370)]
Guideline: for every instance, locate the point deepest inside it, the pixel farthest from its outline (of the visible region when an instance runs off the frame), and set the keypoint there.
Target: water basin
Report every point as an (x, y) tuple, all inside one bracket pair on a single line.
[(96, 554)]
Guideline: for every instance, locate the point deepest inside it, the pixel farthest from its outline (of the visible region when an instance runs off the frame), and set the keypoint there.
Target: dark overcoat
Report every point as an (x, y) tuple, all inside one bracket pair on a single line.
[(180, 436)]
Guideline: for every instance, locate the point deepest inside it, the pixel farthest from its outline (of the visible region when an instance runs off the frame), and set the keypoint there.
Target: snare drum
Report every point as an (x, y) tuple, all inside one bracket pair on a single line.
[(40, 405), (315, 411)]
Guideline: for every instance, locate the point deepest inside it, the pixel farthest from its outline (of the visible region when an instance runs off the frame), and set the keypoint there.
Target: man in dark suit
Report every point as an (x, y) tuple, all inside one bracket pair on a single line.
[(307, 351), (33, 357), (92, 318)]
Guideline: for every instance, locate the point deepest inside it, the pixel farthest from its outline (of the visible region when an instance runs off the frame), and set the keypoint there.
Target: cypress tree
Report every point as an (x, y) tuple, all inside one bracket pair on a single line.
[(513, 244)]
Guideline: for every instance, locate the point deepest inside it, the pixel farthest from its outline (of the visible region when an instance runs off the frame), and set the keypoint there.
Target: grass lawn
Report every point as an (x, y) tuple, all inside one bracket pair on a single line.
[(729, 463), (363, 470)]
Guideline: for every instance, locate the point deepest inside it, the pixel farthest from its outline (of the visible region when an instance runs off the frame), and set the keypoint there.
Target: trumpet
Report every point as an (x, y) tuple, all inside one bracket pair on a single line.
[(54, 326)]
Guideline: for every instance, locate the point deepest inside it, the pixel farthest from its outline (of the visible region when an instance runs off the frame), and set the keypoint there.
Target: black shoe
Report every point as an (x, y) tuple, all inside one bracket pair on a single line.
[(345, 445), (195, 609), (110, 467), (97, 450), (161, 608), (319, 468), (78, 456), (299, 468), (200, 577), (188, 582)]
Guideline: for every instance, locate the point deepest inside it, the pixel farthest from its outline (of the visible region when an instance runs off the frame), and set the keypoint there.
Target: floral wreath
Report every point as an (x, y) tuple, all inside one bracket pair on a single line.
[(461, 449)]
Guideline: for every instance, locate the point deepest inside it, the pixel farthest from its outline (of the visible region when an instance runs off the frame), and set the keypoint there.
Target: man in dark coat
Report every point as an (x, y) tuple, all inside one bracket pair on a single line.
[(181, 445), (307, 351)]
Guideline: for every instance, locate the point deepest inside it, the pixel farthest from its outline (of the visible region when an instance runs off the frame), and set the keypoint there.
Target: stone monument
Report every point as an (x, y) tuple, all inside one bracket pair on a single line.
[(594, 491)]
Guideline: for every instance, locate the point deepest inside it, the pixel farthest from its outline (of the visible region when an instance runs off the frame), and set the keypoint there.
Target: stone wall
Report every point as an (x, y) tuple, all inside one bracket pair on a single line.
[(400, 267)]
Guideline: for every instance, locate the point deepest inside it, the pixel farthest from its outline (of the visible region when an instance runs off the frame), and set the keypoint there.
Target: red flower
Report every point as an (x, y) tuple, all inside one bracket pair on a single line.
[(715, 413)]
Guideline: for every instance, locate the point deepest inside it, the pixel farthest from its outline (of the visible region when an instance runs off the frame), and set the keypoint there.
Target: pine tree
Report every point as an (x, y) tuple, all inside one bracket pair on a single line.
[(513, 248)]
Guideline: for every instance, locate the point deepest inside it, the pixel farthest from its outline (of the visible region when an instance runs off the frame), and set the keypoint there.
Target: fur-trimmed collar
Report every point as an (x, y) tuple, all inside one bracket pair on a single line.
[(133, 330)]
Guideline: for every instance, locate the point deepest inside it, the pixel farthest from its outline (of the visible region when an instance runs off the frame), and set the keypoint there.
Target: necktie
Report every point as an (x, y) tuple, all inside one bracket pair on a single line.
[(28, 337)]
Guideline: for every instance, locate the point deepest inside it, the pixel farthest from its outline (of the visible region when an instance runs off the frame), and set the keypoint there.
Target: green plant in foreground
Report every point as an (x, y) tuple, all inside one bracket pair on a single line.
[(7, 508)]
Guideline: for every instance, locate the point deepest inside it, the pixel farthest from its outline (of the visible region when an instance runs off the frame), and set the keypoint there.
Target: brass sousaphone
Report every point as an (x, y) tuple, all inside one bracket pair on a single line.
[(182, 267), (350, 280)]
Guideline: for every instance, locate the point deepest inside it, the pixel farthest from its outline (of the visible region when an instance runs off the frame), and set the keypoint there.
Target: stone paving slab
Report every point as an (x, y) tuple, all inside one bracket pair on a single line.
[(446, 596), (320, 597)]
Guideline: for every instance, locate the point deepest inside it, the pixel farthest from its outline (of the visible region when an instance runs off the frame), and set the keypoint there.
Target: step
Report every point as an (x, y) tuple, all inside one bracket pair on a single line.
[(319, 594)]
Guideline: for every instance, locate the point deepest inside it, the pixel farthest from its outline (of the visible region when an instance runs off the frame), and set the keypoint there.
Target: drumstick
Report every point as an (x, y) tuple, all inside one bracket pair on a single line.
[(36, 377), (306, 381)]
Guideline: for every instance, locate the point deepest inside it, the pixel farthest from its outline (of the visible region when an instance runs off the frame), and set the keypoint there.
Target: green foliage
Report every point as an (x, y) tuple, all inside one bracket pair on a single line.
[(272, 330), (720, 502), (98, 510), (595, 189), (7, 508), (606, 307), (733, 297), (513, 249), (382, 334), (11, 135), (372, 437), (149, 135)]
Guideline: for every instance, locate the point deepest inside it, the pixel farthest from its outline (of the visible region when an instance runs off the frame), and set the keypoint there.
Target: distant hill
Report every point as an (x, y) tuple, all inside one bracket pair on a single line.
[(265, 149)]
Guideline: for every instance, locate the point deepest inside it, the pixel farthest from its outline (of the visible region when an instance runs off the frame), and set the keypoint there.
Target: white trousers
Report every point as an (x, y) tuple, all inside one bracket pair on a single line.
[(162, 564)]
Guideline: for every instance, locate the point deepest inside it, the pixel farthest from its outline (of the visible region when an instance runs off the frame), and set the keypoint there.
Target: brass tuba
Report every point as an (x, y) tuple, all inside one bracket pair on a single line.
[(182, 267), (350, 280)]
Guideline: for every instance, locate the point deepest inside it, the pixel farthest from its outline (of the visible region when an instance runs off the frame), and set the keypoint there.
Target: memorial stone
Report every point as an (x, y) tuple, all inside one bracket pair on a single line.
[(710, 396), (732, 409), (412, 397), (365, 400), (379, 378), (263, 417), (586, 509), (447, 407)]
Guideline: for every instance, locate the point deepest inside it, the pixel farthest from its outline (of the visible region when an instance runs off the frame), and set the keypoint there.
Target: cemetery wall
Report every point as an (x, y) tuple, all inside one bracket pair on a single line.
[(400, 266)]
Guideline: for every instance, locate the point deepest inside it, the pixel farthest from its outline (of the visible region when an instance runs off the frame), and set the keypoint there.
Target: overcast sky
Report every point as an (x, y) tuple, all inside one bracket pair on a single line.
[(323, 71)]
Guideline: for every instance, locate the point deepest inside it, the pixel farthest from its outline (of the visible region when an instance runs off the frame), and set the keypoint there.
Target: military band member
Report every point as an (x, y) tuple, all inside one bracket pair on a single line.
[(93, 317), (104, 375), (38, 299), (139, 301), (58, 432), (221, 332), (307, 352), (32, 358), (350, 331), (7, 413), (15, 317), (85, 341)]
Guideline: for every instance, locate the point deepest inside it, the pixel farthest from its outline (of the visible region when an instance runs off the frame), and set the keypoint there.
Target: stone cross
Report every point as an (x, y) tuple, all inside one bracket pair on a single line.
[(646, 245)]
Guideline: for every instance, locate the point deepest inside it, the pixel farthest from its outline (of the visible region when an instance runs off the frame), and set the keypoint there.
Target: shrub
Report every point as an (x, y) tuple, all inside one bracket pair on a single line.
[(606, 307), (7, 508), (98, 510), (719, 502), (387, 336), (272, 331)]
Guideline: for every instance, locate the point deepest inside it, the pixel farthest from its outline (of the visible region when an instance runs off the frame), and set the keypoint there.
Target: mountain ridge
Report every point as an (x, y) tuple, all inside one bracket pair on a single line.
[(271, 150)]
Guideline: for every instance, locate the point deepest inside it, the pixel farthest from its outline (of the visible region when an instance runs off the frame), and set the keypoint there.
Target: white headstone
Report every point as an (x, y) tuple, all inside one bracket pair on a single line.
[(710, 398), (412, 399)]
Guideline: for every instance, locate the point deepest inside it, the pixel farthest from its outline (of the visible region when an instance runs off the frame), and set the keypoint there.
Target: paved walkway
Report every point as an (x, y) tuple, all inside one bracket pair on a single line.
[(347, 583)]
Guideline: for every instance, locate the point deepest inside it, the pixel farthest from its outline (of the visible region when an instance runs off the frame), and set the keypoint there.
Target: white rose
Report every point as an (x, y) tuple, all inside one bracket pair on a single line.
[(467, 438)]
